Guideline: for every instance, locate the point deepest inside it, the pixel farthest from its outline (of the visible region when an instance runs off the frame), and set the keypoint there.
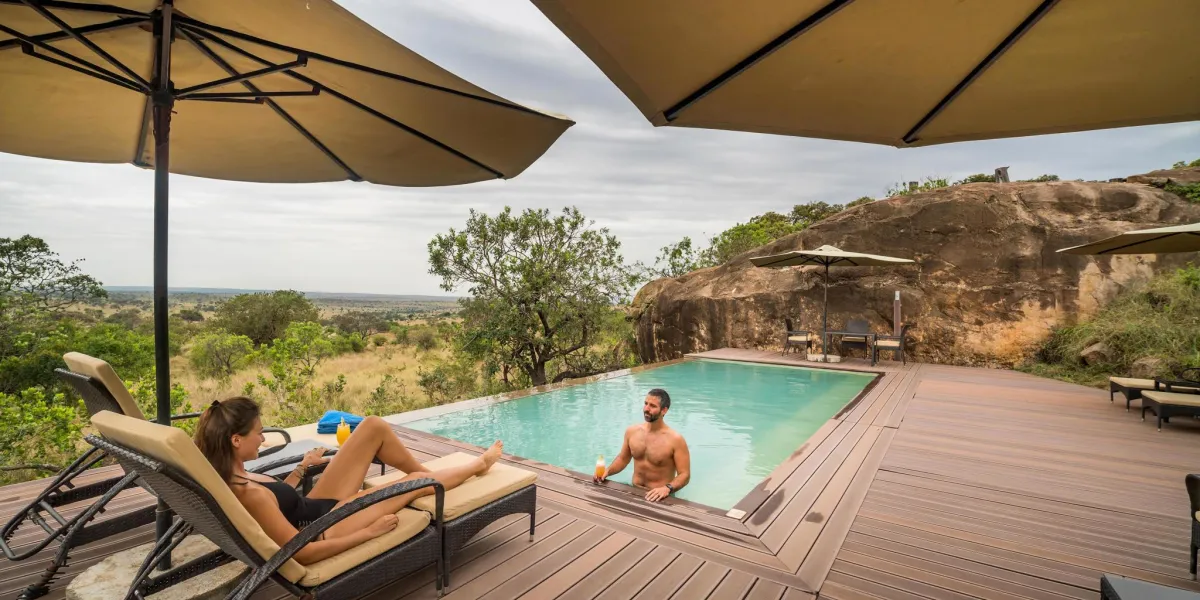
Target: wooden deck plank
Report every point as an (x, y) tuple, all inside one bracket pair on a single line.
[(764, 518), (633, 581), (840, 586), (667, 582), (575, 570), (517, 585), (816, 564), (603, 576), (766, 590), (734, 586), (701, 583), (473, 583)]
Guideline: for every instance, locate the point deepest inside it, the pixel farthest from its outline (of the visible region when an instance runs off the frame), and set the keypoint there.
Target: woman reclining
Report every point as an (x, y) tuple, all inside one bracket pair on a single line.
[(230, 433)]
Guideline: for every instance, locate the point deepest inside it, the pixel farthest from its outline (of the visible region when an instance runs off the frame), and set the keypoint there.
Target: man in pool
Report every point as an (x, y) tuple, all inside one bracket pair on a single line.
[(661, 462)]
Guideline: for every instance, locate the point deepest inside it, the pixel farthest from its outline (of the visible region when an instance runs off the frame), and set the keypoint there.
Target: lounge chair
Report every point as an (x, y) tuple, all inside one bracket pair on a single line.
[(858, 341), (1192, 481), (796, 338), (1132, 387), (503, 490), (893, 343), (172, 465), (101, 389), (1169, 404)]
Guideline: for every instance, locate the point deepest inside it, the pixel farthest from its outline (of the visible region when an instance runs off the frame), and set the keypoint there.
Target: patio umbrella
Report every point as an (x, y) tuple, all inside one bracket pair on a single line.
[(827, 256), (279, 91), (1163, 240), (896, 73)]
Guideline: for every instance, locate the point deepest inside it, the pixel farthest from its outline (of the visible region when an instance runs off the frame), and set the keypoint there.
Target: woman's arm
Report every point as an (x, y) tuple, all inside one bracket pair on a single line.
[(261, 505)]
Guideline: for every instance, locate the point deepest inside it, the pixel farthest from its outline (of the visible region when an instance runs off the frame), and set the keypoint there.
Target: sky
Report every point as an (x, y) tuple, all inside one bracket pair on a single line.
[(649, 186)]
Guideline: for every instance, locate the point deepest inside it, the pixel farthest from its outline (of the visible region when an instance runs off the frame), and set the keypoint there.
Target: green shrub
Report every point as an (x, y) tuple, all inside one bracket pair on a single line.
[(1158, 320), (40, 434), (1184, 164), (927, 184), (379, 340), (977, 178), (425, 339), (1187, 191), (388, 398), (1042, 179), (219, 354)]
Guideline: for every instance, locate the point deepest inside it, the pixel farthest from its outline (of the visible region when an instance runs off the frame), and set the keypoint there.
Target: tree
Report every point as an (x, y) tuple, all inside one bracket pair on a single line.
[(1041, 179), (35, 288), (804, 215), (190, 315), (361, 322), (304, 345), (744, 237), (674, 260), (219, 354), (861, 201), (927, 184), (977, 178), (540, 285), (1183, 164), (264, 316)]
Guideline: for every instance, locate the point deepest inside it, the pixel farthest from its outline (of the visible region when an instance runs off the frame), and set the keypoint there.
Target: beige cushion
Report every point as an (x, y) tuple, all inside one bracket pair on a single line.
[(172, 446), (853, 338), (1174, 398), (1144, 384), (798, 338), (411, 522), (501, 480), (1197, 515), (104, 373), (887, 344)]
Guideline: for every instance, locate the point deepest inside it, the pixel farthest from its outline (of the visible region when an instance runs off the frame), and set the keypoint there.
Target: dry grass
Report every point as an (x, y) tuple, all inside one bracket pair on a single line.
[(363, 372)]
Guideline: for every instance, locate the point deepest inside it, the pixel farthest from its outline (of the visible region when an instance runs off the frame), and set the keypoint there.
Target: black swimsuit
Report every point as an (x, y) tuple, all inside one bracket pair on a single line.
[(299, 510)]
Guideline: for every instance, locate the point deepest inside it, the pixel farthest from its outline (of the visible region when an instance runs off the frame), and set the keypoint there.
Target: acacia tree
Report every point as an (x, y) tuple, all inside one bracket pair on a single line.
[(263, 316), (540, 286)]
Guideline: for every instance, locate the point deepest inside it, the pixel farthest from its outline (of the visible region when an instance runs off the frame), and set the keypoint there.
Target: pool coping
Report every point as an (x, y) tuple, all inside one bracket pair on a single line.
[(740, 511)]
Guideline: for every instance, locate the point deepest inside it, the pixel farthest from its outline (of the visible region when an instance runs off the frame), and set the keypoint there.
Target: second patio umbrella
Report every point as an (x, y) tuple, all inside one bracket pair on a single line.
[(1161, 240), (826, 256)]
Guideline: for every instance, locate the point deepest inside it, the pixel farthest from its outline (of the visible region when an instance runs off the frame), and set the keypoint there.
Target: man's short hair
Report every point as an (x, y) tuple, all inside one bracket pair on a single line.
[(664, 400)]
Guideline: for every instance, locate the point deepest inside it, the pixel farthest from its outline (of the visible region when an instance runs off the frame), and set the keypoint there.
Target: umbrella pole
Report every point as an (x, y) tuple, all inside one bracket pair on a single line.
[(162, 101), (825, 326)]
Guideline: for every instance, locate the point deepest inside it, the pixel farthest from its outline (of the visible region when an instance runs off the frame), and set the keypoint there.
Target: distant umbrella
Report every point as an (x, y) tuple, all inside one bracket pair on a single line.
[(1163, 240), (827, 256)]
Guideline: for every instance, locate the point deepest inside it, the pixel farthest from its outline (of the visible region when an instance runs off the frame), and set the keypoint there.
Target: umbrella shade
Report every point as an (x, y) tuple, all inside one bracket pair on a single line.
[(895, 73), (340, 100), (1163, 240), (826, 256)]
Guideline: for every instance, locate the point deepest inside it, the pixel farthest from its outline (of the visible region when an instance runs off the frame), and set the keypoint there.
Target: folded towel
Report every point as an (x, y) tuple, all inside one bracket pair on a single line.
[(330, 420)]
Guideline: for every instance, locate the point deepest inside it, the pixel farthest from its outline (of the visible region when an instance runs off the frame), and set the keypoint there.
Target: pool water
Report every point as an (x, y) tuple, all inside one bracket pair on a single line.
[(740, 420)]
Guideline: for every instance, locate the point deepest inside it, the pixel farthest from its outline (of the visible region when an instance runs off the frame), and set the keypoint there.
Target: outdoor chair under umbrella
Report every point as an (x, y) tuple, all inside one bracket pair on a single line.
[(1161, 240), (897, 73), (827, 256), (279, 91)]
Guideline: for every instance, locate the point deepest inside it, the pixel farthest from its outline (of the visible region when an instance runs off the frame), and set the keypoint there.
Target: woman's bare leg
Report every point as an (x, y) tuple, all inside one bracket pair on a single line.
[(372, 438), (449, 478)]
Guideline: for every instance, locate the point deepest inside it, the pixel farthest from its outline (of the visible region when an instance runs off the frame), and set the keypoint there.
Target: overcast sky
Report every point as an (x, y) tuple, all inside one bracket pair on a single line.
[(648, 186)]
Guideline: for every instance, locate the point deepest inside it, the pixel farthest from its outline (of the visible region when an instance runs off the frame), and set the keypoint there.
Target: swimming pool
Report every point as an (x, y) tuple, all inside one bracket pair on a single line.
[(740, 420)]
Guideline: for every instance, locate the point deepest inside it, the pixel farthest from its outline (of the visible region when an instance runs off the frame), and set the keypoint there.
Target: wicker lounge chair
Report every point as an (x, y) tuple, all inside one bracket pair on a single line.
[(101, 389), (171, 465), (855, 341), (470, 507), (795, 338), (1169, 404), (893, 343), (1132, 388)]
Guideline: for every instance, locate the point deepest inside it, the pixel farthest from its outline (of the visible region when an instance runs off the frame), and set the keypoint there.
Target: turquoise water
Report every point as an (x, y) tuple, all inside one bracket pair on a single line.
[(740, 420)]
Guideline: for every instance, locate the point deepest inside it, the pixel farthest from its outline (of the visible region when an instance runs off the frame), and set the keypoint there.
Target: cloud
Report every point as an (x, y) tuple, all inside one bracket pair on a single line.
[(649, 186)]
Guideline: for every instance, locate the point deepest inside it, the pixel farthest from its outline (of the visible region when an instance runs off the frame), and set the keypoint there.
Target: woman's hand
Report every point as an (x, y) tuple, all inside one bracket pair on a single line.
[(314, 457), (382, 525)]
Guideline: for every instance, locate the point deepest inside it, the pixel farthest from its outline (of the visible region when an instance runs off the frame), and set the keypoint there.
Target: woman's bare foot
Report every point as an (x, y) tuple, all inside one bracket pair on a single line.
[(491, 455)]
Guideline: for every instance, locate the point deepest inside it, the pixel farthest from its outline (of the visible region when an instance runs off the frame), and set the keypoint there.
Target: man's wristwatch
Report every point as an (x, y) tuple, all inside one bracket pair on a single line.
[(671, 488)]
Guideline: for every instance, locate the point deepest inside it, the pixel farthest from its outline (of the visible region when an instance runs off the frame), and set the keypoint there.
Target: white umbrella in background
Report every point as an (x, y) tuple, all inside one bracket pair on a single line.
[(1162, 240), (827, 256)]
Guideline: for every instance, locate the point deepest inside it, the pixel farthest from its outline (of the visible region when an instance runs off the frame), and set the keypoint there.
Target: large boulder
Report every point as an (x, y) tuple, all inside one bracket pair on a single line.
[(988, 283), (1162, 177)]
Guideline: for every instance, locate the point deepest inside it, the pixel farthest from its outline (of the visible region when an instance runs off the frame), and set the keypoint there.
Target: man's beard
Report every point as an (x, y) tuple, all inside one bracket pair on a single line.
[(650, 418)]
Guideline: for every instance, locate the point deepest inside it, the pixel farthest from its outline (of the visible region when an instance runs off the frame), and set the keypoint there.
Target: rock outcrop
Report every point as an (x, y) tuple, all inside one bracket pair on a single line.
[(987, 286)]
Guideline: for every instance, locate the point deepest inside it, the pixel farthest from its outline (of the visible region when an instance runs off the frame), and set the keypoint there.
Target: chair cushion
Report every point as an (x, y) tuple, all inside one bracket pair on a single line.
[(854, 338), (173, 447), (798, 338), (411, 522), (1144, 384), (887, 344), (501, 480), (1173, 398), (104, 373)]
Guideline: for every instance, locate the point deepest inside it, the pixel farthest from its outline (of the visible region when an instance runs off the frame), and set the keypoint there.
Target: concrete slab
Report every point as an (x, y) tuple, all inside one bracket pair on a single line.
[(111, 577)]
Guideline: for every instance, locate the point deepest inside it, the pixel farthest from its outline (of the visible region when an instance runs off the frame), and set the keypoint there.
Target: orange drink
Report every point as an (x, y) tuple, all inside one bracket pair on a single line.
[(601, 468)]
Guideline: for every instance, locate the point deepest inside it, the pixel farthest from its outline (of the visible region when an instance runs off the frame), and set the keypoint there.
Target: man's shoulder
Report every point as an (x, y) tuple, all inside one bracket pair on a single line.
[(676, 436), (633, 428)]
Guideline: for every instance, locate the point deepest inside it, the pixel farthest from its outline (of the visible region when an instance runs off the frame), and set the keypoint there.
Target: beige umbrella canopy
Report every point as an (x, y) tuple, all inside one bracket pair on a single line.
[(1162, 240), (827, 256), (249, 90), (896, 73)]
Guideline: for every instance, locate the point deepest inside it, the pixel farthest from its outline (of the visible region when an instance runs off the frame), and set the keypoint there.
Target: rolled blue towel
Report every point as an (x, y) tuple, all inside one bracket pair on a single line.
[(330, 420)]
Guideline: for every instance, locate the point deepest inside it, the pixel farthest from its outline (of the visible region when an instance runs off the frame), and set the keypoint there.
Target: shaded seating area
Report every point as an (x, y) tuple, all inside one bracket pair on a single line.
[(796, 338), (102, 390), (895, 344), (172, 465)]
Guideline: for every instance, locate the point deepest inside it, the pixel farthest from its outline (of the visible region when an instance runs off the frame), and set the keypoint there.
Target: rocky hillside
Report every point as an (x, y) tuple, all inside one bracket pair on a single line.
[(987, 285)]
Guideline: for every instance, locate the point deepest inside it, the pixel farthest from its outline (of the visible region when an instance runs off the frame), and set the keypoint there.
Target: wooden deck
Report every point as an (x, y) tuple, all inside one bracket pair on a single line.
[(941, 482)]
